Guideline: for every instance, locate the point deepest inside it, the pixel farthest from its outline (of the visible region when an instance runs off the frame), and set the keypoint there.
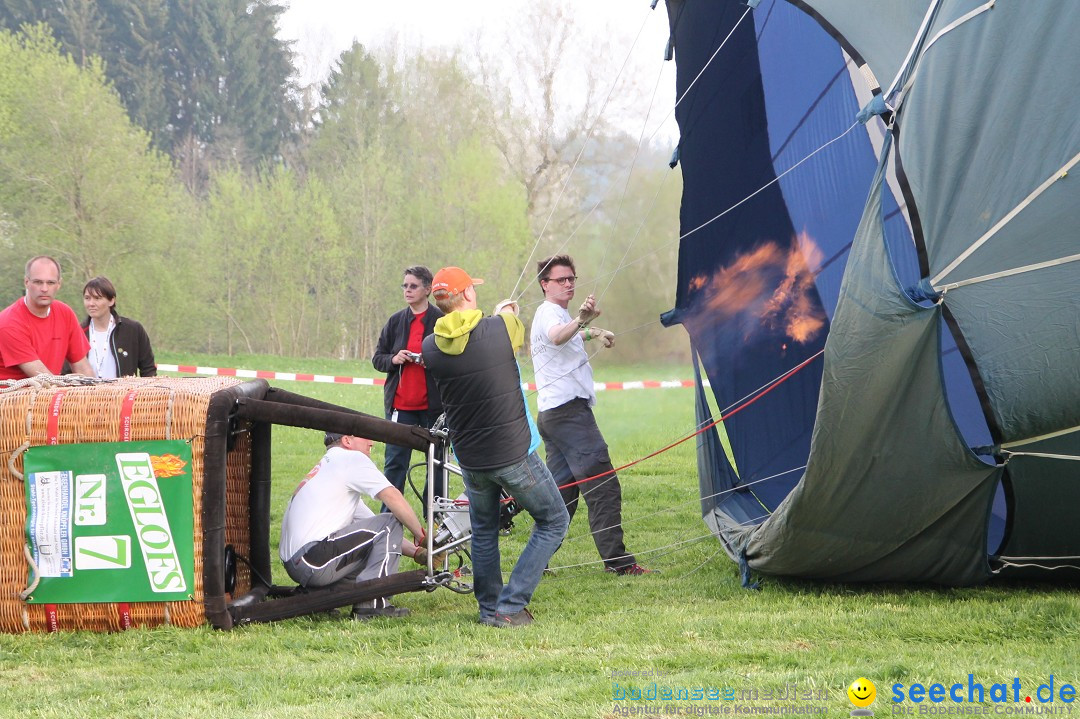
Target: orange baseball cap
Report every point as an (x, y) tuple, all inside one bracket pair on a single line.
[(450, 281)]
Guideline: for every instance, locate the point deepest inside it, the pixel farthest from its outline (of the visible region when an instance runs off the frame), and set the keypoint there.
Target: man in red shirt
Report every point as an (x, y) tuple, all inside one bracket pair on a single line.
[(38, 332)]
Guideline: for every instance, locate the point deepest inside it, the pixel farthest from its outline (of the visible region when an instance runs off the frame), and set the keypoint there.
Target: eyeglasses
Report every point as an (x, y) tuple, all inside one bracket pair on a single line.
[(563, 280), (409, 286)]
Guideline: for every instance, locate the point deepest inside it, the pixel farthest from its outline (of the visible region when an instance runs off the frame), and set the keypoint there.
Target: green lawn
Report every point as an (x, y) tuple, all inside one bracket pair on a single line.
[(692, 621)]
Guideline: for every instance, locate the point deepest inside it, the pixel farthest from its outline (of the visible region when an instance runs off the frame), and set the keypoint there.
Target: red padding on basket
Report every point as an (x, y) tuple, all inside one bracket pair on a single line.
[(52, 427), (125, 416)]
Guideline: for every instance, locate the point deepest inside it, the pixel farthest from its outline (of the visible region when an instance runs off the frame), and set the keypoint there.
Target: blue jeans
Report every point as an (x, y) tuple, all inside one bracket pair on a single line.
[(398, 459), (530, 484)]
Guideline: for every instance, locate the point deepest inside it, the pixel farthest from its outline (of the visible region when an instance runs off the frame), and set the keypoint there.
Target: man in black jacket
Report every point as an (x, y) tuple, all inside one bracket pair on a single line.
[(472, 358), (409, 395)]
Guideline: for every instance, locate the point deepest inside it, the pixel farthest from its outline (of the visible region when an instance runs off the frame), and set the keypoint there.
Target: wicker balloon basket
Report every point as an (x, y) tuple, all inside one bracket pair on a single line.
[(200, 411)]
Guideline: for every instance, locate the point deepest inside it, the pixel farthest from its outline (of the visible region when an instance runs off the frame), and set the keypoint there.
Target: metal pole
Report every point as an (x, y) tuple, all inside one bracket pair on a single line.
[(430, 533)]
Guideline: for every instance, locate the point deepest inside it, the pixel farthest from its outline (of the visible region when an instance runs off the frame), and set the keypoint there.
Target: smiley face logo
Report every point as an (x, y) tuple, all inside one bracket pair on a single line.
[(862, 693)]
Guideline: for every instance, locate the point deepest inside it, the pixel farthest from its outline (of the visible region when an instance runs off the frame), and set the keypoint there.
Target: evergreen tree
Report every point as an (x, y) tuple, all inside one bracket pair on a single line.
[(228, 83), (208, 79), (357, 109)]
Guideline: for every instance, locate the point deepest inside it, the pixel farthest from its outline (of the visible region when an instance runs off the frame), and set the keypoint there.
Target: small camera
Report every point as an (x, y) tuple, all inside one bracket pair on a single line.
[(414, 356)]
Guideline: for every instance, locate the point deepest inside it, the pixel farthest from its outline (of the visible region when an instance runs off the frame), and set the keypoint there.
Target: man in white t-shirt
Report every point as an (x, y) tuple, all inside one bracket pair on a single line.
[(575, 450), (329, 535)]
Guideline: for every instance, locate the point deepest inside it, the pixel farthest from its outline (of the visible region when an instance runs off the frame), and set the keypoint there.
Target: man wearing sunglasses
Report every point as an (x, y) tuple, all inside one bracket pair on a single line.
[(409, 395), (575, 450)]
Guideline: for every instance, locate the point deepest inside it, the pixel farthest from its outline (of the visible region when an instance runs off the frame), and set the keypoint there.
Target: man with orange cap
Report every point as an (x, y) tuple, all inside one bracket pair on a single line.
[(472, 359)]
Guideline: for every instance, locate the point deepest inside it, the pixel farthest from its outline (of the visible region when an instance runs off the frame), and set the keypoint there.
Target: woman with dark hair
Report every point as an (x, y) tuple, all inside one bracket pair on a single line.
[(409, 395), (119, 346)]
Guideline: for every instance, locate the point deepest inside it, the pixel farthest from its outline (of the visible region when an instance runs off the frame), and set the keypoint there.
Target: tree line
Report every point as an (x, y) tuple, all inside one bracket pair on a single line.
[(167, 146)]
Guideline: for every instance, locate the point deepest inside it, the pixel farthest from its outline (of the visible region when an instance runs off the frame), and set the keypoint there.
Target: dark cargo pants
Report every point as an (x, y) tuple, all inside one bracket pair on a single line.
[(575, 450)]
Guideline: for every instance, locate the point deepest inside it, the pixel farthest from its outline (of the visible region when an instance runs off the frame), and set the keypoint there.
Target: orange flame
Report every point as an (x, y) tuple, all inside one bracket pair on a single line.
[(749, 285), (167, 465)]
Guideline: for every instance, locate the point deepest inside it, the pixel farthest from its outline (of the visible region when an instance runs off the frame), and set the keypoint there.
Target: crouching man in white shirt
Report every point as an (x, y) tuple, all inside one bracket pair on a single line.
[(328, 534)]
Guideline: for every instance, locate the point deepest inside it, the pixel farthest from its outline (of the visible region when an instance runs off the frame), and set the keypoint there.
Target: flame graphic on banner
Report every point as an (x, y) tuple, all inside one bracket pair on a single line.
[(167, 465), (768, 283)]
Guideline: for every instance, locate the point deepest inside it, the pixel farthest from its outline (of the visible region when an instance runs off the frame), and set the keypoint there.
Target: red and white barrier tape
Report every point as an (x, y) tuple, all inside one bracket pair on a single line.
[(268, 374), (379, 381)]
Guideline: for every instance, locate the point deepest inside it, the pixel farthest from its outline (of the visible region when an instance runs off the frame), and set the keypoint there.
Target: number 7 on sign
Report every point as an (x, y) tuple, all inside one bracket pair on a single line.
[(109, 552)]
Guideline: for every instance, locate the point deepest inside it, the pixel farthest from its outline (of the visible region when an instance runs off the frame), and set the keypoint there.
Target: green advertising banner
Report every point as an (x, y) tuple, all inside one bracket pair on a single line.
[(110, 521)]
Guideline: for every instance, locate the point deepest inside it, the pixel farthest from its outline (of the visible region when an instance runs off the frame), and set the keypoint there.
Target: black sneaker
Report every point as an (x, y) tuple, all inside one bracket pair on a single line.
[(629, 570), (518, 619), (362, 614)]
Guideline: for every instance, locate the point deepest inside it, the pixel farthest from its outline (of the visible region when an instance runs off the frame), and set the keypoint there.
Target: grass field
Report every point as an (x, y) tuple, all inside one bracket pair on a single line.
[(691, 622)]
